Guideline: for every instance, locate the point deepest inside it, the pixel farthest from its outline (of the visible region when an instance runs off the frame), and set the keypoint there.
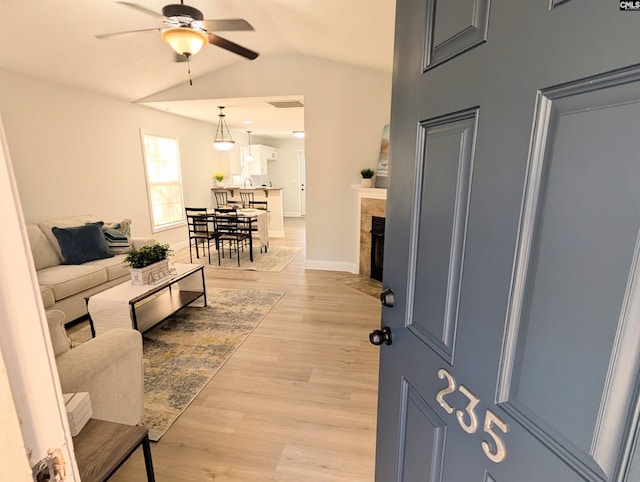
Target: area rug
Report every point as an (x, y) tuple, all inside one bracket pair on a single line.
[(184, 353), (275, 259), (365, 285)]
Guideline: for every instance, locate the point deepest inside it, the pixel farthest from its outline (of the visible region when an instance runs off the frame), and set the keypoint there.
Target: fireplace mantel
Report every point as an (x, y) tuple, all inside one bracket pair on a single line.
[(370, 192)]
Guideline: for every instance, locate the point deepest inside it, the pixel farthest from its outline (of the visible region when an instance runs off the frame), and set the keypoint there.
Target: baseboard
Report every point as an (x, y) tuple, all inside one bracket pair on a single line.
[(181, 244), (331, 266)]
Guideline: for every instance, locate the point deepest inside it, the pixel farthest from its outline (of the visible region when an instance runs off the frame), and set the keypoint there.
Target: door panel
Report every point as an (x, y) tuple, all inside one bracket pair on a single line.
[(445, 170), (424, 434), (453, 28), (512, 245), (576, 269)]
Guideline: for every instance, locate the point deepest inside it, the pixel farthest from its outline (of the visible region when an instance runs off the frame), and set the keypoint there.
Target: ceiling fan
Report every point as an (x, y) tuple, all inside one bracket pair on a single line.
[(186, 31)]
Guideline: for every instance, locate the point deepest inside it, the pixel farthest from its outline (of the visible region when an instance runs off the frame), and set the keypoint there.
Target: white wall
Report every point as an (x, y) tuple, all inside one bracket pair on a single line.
[(346, 108), (76, 152)]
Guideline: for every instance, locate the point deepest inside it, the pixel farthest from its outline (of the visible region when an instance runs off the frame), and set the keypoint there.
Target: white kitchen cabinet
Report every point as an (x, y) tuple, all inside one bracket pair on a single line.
[(266, 153), (261, 154), (257, 167)]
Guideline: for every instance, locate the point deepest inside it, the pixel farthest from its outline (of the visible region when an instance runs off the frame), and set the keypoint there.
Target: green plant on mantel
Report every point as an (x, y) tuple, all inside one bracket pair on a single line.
[(219, 177), (147, 255), (367, 173)]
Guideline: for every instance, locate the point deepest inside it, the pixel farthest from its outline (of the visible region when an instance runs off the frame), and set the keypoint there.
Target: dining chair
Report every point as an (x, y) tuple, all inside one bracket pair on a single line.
[(248, 201), (201, 231), (230, 230), (222, 198)]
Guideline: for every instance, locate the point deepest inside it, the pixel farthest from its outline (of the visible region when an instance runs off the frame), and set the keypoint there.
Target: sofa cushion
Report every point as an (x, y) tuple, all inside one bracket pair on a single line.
[(48, 299), (47, 226), (59, 339), (67, 280), (118, 236), (80, 244), (115, 266), (44, 256)]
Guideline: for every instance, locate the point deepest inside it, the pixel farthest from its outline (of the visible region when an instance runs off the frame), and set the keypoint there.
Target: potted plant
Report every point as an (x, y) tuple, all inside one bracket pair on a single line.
[(148, 263), (367, 177), (219, 178)]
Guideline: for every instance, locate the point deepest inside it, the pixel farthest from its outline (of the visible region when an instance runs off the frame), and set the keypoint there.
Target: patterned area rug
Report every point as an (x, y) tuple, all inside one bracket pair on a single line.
[(183, 353), (275, 259)]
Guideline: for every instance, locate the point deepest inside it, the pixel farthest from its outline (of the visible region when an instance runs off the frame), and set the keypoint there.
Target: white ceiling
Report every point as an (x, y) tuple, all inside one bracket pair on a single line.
[(55, 40)]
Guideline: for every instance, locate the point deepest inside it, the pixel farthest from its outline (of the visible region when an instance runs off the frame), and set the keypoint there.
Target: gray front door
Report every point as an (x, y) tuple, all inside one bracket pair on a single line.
[(512, 243)]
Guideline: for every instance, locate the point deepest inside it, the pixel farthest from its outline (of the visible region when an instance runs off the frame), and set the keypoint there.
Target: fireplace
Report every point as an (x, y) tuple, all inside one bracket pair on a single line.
[(371, 202), (377, 247)]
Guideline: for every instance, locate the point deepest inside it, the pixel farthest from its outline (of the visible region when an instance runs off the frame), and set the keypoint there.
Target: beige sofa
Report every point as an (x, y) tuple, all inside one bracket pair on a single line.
[(63, 286), (108, 367)]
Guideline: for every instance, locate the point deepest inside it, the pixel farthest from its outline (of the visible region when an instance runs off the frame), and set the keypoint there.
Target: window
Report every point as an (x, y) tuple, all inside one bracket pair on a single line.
[(164, 184)]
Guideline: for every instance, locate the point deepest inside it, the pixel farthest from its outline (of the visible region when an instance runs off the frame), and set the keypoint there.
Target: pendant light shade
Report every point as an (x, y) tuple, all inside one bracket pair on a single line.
[(185, 41), (249, 158), (223, 140)]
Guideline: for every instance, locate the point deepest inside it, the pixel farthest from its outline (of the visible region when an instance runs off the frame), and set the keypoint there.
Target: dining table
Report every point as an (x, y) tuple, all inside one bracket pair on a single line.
[(249, 216)]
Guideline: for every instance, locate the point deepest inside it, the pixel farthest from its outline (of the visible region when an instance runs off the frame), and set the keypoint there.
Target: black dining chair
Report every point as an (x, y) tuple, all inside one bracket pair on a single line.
[(201, 231), (222, 198), (230, 230), (248, 201)]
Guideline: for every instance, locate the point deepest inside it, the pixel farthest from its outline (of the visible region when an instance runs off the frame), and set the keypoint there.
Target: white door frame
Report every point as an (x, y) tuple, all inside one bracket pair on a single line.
[(25, 345)]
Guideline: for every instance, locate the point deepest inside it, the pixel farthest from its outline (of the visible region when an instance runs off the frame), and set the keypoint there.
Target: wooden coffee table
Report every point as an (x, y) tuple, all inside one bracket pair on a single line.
[(102, 447), (142, 307)]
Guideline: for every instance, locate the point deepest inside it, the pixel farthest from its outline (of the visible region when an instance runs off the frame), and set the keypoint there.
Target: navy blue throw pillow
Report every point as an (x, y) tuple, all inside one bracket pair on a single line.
[(80, 244)]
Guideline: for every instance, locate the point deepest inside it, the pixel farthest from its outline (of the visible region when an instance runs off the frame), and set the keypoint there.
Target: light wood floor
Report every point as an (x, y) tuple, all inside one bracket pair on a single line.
[(296, 402)]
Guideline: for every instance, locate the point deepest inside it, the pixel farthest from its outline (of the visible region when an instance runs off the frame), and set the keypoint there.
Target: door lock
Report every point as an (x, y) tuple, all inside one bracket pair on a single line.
[(387, 298)]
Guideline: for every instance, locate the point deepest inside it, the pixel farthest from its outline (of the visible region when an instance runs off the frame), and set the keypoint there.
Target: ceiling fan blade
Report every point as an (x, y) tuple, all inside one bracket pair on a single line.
[(142, 9), (232, 46), (227, 25), (113, 34)]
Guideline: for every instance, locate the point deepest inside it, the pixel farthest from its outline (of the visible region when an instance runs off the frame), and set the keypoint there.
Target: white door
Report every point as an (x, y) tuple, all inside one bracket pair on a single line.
[(302, 183), (512, 244)]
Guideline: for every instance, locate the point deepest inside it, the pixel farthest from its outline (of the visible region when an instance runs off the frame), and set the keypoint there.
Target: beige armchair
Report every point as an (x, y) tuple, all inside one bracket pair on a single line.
[(109, 367)]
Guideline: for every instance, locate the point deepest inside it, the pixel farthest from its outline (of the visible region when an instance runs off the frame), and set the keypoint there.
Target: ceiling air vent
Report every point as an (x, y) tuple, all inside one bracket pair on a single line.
[(286, 104)]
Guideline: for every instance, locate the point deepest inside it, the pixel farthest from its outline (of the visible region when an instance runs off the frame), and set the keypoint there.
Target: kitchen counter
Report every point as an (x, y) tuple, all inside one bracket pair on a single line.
[(233, 189), (273, 196)]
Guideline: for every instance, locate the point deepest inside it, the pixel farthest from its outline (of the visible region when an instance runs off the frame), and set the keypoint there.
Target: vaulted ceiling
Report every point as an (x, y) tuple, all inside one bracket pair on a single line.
[(55, 40)]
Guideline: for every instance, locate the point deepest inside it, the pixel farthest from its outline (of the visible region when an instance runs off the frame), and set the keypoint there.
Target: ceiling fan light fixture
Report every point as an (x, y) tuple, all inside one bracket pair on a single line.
[(184, 40), (223, 140)]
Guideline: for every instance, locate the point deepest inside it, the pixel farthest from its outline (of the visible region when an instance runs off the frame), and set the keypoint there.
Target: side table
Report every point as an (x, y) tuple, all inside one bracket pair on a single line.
[(102, 447)]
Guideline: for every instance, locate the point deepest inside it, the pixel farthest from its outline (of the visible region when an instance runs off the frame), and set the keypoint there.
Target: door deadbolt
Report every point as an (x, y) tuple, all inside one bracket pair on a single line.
[(387, 298)]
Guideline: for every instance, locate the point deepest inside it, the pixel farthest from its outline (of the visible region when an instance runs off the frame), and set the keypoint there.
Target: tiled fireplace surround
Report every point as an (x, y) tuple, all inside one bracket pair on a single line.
[(371, 202)]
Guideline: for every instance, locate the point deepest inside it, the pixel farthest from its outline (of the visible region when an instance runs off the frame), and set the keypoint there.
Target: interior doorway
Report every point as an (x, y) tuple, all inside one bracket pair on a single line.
[(302, 183)]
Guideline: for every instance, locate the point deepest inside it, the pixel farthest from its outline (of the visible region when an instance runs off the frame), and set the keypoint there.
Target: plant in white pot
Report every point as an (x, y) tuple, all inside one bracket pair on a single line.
[(367, 177), (219, 178), (148, 263)]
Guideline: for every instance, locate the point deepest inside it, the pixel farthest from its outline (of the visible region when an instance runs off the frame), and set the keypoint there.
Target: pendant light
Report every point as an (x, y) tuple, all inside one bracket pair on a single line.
[(249, 158), (222, 141)]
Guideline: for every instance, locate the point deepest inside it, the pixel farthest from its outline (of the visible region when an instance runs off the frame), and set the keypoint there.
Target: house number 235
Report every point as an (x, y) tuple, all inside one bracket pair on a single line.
[(468, 417)]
